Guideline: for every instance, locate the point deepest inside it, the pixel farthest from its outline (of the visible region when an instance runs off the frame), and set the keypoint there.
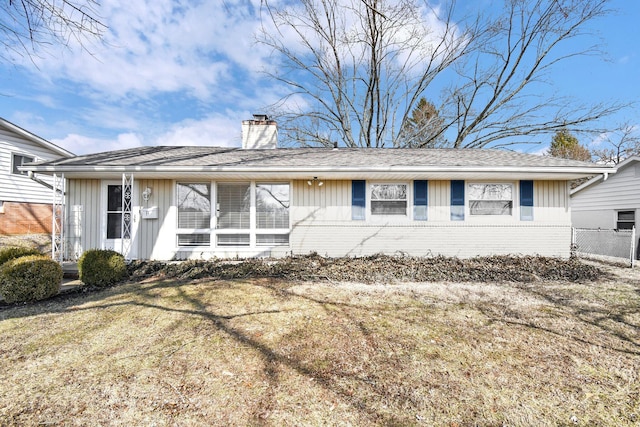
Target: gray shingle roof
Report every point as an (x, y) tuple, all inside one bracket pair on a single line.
[(190, 162), (163, 156)]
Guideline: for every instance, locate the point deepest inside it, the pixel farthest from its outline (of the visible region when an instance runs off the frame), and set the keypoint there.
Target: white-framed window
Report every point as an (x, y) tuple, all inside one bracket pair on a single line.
[(246, 214), (193, 200), (490, 199), (18, 160), (625, 220), (389, 199)]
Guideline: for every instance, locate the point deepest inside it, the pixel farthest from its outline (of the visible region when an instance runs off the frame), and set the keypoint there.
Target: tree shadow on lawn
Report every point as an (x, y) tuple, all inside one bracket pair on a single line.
[(368, 393), (273, 360)]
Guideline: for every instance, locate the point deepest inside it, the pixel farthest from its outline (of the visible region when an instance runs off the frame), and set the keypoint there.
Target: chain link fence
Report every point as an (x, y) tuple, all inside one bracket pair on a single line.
[(607, 244)]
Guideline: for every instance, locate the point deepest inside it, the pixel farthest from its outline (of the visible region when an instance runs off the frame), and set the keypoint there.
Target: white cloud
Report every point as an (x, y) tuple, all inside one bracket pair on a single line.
[(217, 130), (156, 46), (79, 144)]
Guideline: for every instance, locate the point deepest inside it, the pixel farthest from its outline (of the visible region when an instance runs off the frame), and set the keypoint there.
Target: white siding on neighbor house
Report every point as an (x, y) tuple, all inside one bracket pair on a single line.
[(596, 206), (620, 191), (20, 188)]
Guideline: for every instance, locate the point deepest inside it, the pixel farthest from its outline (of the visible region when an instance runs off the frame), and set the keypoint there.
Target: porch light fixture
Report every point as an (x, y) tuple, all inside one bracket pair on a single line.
[(146, 194), (315, 179)]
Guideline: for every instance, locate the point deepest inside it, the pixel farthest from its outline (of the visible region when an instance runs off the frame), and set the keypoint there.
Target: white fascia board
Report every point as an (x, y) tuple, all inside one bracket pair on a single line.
[(389, 172), (35, 138)]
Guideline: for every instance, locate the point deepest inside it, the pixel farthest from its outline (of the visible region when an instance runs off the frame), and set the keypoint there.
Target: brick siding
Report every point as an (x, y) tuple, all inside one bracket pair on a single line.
[(25, 218)]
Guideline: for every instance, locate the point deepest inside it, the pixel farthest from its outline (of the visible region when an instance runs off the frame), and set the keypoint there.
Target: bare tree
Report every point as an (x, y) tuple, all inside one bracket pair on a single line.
[(26, 25), (357, 68), (622, 143), (498, 100)]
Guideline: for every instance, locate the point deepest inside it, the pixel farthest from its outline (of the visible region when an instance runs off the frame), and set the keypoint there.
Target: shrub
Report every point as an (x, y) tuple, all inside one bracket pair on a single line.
[(30, 278), (7, 254), (100, 267)]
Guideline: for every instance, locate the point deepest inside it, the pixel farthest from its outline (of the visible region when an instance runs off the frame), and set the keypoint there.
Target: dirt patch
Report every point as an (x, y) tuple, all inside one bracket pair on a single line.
[(41, 242)]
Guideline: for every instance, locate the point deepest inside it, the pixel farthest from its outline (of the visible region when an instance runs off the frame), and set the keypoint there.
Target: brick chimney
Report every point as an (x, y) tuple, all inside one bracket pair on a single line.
[(260, 133)]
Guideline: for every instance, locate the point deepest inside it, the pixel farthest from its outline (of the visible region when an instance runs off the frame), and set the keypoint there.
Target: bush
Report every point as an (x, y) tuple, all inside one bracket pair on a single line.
[(7, 254), (30, 278), (99, 267)]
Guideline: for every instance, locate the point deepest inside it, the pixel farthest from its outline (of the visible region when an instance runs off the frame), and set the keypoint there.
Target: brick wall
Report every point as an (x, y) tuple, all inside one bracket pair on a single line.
[(25, 218)]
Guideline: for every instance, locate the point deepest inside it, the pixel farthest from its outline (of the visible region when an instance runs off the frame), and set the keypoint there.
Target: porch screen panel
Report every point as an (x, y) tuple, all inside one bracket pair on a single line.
[(234, 204), (272, 206), (194, 205)]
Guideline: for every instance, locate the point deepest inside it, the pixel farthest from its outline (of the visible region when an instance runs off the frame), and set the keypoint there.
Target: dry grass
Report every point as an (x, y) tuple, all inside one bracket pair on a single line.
[(274, 352)]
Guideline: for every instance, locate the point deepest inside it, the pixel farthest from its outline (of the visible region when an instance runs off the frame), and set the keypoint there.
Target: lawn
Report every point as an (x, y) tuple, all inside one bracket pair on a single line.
[(276, 352)]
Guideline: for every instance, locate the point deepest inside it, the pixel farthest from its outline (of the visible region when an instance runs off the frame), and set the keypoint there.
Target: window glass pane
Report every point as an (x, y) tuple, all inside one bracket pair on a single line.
[(194, 239), (233, 240), (490, 207), (626, 216), (114, 198), (272, 239), (114, 225), (626, 220), (391, 207), (272, 205), (194, 205), (19, 160), (388, 199), (234, 202), (490, 199)]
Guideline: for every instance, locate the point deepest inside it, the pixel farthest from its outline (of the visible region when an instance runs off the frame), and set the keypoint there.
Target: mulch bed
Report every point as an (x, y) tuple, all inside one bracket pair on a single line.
[(378, 269)]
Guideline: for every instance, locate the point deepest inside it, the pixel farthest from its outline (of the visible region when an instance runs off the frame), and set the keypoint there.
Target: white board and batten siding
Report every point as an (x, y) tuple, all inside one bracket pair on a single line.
[(321, 222), (596, 206)]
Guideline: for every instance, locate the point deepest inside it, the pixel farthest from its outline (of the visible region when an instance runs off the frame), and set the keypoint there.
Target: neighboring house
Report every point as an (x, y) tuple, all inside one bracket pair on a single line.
[(25, 204), (170, 203), (609, 202)]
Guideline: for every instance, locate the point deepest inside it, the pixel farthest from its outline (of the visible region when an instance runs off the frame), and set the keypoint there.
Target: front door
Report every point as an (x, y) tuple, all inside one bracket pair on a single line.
[(113, 217), (112, 220)]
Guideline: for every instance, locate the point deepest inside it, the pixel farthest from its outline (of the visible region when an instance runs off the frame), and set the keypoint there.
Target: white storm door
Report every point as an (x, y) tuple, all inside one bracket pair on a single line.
[(112, 219)]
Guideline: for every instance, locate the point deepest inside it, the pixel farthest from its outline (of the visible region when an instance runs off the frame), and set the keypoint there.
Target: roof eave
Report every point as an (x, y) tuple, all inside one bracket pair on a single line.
[(36, 139), (328, 172)]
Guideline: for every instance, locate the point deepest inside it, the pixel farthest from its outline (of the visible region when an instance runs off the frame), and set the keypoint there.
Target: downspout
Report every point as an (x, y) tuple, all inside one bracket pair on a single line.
[(33, 177)]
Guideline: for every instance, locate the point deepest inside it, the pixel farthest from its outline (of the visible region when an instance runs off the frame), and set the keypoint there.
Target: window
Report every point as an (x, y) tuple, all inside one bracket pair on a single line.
[(272, 213), (19, 160), (194, 213), (114, 211), (234, 205), (490, 199), (388, 199), (626, 220), (272, 205), (246, 214)]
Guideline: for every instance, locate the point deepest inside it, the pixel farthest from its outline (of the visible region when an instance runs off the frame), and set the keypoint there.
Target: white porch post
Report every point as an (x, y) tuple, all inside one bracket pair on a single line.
[(127, 214), (58, 217)]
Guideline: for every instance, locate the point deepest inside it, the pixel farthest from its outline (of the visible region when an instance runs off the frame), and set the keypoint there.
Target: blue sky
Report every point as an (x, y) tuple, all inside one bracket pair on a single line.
[(177, 72)]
